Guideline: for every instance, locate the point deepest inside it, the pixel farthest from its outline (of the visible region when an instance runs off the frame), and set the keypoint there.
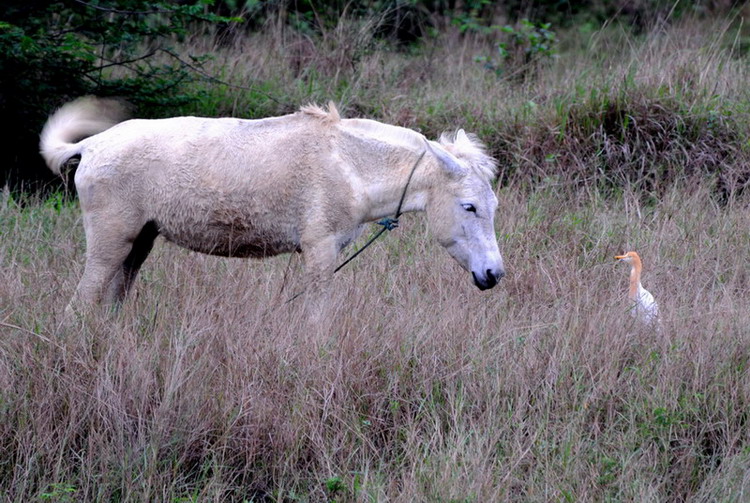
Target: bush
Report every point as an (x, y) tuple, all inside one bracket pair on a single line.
[(56, 52), (633, 136)]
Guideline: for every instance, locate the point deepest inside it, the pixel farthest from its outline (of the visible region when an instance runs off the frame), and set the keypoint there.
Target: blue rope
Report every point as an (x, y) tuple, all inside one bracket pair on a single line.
[(389, 223)]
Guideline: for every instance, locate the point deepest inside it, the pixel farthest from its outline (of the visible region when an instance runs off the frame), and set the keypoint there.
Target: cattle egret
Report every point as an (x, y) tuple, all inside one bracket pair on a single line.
[(644, 305)]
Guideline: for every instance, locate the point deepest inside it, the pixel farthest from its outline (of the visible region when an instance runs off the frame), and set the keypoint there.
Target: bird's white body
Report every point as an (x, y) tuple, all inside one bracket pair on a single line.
[(644, 306)]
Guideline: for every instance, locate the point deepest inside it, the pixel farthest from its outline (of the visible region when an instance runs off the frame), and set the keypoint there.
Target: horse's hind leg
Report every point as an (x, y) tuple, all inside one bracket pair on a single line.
[(114, 253), (139, 251)]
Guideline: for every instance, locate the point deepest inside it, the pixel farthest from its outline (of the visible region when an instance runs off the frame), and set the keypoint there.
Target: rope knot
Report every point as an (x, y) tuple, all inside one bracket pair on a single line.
[(389, 223)]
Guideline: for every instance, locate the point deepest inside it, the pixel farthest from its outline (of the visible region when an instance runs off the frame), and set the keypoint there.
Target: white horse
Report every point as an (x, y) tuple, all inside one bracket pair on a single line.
[(305, 182)]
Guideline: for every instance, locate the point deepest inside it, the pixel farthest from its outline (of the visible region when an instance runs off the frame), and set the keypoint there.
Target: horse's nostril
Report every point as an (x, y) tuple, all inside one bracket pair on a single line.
[(490, 279), (493, 276)]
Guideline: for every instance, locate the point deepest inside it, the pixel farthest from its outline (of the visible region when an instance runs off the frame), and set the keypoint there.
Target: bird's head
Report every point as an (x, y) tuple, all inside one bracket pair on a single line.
[(629, 258)]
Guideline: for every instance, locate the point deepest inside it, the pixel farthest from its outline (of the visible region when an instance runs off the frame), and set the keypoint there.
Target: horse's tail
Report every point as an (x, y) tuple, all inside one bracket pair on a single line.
[(73, 122)]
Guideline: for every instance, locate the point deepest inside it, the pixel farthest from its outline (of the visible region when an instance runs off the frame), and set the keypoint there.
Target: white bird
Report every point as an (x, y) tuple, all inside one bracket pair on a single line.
[(645, 307)]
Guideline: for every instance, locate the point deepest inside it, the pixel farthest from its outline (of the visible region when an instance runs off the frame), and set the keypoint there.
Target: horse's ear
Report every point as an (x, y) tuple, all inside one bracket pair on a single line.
[(463, 141), (449, 163)]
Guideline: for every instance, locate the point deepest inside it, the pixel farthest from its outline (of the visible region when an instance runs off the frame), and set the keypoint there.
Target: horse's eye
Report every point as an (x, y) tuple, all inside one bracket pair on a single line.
[(469, 207)]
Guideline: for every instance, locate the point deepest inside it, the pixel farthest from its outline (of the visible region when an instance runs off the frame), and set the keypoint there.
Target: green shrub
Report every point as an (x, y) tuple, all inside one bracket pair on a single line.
[(69, 49)]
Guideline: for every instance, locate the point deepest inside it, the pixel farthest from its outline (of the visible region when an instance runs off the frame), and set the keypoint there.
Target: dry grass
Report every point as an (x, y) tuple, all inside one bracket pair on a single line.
[(415, 387), (410, 384), (647, 111), (611, 109)]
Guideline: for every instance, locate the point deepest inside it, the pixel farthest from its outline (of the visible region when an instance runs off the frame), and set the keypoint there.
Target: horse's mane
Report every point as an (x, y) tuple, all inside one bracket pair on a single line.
[(314, 110), (469, 147), (466, 146)]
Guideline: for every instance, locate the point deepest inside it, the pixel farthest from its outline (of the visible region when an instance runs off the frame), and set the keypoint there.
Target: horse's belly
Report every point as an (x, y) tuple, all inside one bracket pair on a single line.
[(236, 237), (230, 244), (225, 216)]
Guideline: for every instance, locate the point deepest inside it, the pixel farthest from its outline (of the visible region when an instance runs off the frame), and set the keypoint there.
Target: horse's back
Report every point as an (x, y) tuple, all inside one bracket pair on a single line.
[(223, 186), (191, 140)]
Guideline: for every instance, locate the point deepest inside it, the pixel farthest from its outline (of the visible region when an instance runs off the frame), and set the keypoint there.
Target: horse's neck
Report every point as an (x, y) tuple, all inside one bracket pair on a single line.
[(384, 196), (401, 170)]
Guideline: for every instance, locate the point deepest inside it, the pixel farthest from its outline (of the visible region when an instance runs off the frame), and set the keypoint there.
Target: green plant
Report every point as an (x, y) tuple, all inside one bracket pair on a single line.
[(522, 44), (69, 49), (59, 493), (335, 486), (532, 39)]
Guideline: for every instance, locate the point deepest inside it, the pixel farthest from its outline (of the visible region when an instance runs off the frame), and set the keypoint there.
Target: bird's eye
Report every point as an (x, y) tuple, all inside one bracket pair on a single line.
[(469, 207)]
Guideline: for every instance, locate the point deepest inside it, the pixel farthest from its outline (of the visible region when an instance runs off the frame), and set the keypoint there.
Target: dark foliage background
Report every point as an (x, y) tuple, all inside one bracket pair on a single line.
[(51, 52)]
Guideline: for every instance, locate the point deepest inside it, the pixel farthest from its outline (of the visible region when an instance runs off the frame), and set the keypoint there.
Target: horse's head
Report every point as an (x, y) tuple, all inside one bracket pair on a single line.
[(461, 207)]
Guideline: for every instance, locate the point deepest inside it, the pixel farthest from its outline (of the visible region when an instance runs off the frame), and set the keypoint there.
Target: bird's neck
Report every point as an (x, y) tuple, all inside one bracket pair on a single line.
[(635, 280)]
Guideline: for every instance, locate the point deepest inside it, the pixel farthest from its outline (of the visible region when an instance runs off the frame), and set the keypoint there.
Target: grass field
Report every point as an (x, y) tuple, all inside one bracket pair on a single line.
[(419, 388), (413, 385)]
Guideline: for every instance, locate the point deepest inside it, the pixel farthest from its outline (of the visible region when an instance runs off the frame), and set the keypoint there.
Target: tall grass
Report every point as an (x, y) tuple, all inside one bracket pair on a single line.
[(410, 384), (611, 107), (416, 387)]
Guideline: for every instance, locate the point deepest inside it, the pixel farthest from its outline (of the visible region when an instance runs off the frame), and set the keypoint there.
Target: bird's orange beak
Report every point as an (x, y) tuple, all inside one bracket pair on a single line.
[(620, 257)]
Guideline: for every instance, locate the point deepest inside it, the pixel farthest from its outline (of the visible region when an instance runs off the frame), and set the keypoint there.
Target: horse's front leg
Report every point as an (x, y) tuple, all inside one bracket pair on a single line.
[(319, 257)]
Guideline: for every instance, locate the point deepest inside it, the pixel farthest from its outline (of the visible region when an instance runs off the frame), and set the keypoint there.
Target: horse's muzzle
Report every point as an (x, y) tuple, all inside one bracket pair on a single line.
[(490, 278)]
